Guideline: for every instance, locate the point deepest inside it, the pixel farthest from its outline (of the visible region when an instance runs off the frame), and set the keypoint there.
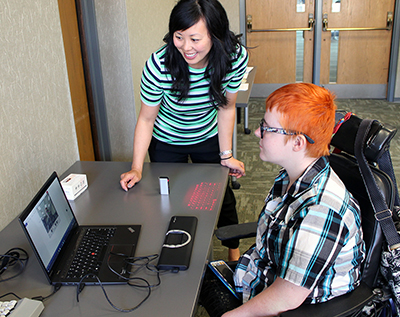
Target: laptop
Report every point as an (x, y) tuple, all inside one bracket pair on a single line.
[(58, 241)]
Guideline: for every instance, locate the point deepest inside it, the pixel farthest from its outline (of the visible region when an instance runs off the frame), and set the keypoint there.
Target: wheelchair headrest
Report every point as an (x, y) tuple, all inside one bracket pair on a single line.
[(377, 141)]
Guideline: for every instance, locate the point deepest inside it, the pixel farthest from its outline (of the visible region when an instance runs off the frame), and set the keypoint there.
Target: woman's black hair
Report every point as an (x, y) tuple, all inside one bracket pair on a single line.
[(185, 14)]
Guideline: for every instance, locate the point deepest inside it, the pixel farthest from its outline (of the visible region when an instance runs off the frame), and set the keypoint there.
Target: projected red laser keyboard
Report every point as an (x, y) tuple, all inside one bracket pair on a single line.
[(204, 196)]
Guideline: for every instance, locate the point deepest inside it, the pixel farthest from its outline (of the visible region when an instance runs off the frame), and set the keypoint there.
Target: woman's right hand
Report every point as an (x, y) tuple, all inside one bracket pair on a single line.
[(129, 179), (141, 142)]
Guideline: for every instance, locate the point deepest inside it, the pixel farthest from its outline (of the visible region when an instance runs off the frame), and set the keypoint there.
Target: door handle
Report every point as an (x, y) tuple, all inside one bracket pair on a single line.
[(389, 23), (311, 22)]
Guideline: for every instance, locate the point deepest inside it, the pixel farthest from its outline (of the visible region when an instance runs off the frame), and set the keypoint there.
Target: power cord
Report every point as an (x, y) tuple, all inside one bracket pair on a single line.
[(136, 263), (10, 293), (15, 257), (19, 256), (80, 288), (12, 258), (56, 288)]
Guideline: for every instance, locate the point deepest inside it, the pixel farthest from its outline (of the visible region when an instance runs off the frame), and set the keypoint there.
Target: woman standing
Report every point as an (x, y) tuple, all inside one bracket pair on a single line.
[(188, 94)]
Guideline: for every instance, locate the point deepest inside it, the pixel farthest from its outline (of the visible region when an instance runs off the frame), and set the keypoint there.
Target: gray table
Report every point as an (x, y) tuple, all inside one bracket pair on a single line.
[(104, 202)]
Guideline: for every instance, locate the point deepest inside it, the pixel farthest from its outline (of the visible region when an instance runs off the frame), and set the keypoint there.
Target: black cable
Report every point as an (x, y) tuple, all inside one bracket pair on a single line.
[(134, 262), (147, 264), (80, 288), (11, 258), (10, 293), (56, 288), (40, 298)]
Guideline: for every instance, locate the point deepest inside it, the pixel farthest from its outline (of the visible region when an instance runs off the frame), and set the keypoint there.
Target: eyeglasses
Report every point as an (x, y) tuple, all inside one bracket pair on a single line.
[(281, 131)]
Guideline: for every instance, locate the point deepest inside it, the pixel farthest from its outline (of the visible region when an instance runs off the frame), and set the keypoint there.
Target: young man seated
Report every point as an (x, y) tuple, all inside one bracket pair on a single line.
[(309, 245)]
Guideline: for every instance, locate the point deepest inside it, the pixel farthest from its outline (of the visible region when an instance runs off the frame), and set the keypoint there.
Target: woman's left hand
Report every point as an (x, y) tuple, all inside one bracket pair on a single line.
[(236, 167)]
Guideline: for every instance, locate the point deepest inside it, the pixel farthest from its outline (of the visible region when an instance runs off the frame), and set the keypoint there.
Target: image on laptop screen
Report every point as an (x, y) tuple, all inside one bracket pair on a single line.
[(49, 223)]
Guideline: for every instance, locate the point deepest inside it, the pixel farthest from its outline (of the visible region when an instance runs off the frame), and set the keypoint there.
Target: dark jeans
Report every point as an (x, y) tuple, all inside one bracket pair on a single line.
[(205, 152)]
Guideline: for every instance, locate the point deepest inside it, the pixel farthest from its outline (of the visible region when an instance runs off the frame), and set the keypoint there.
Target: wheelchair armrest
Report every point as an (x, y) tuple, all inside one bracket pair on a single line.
[(240, 231), (340, 306)]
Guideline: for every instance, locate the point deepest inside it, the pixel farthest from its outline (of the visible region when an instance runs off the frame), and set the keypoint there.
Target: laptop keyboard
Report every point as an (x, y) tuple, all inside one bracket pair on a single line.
[(90, 252), (204, 196)]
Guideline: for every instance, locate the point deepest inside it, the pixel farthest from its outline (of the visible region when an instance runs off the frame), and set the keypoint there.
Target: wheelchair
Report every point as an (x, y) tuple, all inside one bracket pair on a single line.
[(372, 296)]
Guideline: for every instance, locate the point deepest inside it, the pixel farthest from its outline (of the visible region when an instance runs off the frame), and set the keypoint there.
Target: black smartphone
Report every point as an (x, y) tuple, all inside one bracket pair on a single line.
[(225, 274)]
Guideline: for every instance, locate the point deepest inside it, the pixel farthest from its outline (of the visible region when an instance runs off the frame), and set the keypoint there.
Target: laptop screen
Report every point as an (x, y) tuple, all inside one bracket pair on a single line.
[(48, 220)]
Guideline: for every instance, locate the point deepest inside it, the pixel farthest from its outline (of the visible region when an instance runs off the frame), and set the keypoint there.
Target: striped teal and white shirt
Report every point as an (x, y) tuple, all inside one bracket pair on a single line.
[(194, 119), (310, 236)]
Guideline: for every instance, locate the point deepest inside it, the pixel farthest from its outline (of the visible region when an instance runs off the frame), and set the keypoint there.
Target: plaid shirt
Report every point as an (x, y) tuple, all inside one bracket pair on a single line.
[(310, 236)]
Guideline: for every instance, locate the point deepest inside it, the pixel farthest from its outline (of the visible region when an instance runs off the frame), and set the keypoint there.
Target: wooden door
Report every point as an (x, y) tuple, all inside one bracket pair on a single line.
[(76, 77), (363, 55), (273, 50), (353, 64)]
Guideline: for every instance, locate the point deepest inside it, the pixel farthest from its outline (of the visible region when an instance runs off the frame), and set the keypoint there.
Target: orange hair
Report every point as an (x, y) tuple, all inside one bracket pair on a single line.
[(309, 109)]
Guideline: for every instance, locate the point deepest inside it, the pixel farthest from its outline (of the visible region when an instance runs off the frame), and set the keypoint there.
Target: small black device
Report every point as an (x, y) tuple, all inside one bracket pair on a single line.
[(225, 274), (178, 244)]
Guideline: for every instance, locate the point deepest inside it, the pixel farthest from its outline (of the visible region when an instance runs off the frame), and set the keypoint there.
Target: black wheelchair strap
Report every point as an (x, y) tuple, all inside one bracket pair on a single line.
[(382, 213)]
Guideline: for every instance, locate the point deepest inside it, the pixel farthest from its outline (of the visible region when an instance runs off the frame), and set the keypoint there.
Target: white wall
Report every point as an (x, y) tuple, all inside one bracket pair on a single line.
[(112, 29), (147, 25), (36, 122)]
